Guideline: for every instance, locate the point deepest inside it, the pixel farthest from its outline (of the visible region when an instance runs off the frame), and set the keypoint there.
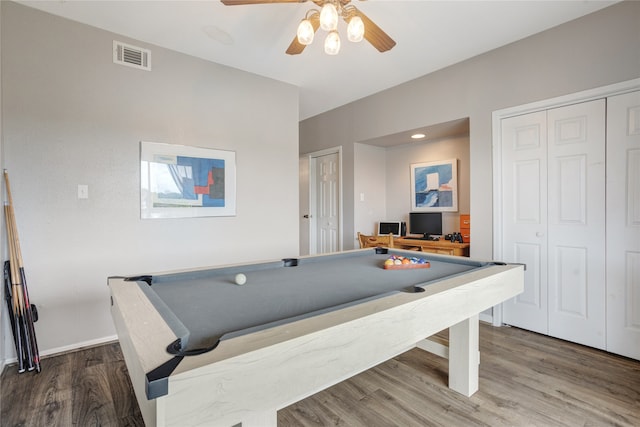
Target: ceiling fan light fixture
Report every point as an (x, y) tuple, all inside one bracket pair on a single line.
[(329, 17), (355, 29), (326, 15), (332, 43), (305, 32)]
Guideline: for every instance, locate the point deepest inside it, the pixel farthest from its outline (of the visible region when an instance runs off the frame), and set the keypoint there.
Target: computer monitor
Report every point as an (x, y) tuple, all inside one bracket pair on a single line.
[(425, 223), (397, 228)]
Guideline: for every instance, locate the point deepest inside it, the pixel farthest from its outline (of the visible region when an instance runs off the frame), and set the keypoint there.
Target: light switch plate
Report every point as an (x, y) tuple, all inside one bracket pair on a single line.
[(83, 191)]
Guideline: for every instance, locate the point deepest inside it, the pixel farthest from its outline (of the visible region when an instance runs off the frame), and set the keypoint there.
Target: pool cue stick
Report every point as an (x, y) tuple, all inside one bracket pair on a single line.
[(30, 345), (8, 296), (15, 325), (17, 311), (33, 343), (13, 317), (19, 295)]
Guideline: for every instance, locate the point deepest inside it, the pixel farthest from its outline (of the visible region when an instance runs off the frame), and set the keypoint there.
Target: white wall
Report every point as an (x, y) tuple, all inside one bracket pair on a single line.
[(593, 51), (369, 188), (73, 117)]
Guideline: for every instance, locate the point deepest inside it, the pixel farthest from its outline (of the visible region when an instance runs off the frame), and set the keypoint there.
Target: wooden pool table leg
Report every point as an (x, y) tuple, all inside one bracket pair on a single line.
[(464, 356)]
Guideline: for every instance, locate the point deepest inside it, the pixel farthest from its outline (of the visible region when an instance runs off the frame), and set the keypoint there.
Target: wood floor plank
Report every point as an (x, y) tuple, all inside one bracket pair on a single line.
[(91, 391), (526, 379), (121, 391), (575, 382), (311, 413), (51, 395), (386, 404), (15, 407), (351, 412), (43, 402)]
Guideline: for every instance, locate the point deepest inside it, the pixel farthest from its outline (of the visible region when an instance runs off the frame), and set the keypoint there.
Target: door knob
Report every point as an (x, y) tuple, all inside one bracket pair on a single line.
[(306, 216)]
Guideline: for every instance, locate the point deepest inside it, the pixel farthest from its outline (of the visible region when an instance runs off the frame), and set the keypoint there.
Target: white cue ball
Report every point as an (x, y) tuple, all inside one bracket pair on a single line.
[(241, 279)]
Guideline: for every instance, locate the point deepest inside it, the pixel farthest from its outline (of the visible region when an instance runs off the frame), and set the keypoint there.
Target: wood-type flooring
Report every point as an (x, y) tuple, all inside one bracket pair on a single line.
[(526, 379)]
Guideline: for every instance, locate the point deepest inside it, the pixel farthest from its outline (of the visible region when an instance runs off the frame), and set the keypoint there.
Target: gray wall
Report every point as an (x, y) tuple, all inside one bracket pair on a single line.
[(73, 117), (370, 182), (383, 176), (596, 50), (399, 177)]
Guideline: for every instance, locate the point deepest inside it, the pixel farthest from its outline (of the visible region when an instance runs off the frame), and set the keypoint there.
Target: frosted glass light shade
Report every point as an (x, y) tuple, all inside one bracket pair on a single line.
[(332, 43), (355, 29), (305, 32), (329, 17)]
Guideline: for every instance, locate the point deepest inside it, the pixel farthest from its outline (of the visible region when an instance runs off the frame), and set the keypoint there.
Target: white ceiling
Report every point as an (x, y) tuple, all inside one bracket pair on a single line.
[(430, 35)]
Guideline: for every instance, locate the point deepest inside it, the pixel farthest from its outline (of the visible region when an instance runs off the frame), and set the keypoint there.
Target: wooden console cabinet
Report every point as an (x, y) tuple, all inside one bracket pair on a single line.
[(444, 247)]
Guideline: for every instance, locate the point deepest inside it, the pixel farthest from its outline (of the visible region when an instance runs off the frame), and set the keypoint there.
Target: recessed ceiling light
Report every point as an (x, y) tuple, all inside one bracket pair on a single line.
[(418, 136)]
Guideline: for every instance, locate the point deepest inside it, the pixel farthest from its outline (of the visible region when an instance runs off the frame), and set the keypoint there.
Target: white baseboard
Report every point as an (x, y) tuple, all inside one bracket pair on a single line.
[(80, 345), (65, 349)]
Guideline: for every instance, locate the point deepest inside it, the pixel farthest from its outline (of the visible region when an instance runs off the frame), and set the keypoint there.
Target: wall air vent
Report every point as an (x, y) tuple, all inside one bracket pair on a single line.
[(131, 56)]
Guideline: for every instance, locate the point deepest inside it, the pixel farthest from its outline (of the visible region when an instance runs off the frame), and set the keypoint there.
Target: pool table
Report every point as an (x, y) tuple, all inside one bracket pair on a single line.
[(203, 350)]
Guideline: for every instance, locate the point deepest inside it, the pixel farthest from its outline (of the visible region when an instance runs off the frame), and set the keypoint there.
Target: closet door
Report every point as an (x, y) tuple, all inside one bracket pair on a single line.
[(623, 224), (553, 191), (524, 190), (576, 222)]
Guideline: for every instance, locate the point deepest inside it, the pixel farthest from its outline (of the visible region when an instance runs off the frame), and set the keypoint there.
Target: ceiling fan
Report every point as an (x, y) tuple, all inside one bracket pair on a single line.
[(359, 26)]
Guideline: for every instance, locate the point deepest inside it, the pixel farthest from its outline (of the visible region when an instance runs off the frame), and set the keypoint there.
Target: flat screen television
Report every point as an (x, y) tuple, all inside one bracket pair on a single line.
[(397, 228), (425, 223)]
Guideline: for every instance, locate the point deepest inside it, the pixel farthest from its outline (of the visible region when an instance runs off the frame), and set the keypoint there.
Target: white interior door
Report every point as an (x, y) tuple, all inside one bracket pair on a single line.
[(524, 213), (324, 210), (327, 182), (623, 224), (576, 222)]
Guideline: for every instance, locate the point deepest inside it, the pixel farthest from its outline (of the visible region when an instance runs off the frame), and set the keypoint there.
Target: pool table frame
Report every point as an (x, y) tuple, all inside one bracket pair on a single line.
[(248, 378)]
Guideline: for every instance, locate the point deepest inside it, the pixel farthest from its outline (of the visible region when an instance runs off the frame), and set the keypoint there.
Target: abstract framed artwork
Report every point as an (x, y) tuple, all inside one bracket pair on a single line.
[(178, 181), (434, 186)]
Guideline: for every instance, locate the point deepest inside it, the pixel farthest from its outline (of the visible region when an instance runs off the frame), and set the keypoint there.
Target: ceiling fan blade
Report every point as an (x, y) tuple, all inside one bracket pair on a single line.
[(296, 48), (241, 2), (374, 34)]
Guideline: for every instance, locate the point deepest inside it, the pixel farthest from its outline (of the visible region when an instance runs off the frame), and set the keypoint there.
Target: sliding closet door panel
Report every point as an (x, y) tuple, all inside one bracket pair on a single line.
[(576, 219), (524, 160), (623, 224)]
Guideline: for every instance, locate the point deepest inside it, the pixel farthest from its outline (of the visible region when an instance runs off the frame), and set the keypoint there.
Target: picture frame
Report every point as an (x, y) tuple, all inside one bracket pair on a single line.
[(178, 181), (434, 186)]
